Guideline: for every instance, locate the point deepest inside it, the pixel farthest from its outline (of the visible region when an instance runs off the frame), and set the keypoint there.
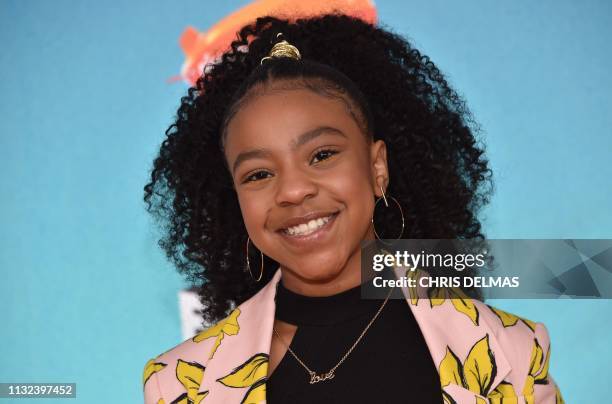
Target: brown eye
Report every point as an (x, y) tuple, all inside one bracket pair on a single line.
[(325, 154), (255, 176)]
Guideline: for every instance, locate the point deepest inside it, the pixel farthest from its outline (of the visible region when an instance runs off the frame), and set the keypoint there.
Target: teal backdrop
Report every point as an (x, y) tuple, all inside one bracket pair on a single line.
[(87, 296)]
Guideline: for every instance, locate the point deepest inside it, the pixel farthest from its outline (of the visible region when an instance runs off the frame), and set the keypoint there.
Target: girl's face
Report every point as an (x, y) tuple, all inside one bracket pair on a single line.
[(306, 179)]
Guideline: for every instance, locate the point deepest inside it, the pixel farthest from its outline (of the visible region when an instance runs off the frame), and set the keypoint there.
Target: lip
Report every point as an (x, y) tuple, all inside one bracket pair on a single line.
[(296, 221), (316, 237)]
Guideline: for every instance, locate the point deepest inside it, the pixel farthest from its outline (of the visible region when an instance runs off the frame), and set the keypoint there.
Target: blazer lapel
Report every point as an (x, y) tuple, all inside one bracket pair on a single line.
[(463, 345), (238, 369)]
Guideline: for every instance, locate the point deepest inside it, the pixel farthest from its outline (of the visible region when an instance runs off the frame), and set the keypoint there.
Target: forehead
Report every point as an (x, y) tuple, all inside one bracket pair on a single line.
[(276, 114)]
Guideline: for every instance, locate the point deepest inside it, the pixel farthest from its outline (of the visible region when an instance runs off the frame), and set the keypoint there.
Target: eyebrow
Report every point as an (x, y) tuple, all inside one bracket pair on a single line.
[(300, 141)]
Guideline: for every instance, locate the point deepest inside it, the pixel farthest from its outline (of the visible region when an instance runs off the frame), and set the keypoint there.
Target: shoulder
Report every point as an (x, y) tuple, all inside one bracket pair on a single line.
[(503, 319), (512, 333), (181, 368)]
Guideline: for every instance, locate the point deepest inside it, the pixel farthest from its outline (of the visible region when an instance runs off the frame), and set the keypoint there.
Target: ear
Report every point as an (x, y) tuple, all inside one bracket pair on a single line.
[(380, 170)]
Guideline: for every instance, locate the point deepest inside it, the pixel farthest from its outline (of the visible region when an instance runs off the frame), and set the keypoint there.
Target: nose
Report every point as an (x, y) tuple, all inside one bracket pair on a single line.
[(294, 187)]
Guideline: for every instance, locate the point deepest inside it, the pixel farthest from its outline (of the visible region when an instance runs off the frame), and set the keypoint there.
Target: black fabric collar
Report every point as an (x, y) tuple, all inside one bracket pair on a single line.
[(301, 310)]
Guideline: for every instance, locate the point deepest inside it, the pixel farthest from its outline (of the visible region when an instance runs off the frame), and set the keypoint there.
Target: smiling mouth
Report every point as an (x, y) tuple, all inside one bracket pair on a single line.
[(306, 229)]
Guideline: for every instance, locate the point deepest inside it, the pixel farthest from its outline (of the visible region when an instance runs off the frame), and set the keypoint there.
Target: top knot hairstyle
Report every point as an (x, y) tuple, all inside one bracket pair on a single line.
[(436, 168)]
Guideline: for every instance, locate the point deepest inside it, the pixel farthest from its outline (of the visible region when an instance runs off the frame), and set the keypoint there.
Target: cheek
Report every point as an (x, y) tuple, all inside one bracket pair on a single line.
[(253, 213), (354, 189)]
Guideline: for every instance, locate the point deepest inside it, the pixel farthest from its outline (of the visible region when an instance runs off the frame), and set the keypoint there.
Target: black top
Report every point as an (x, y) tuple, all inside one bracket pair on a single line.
[(391, 363)]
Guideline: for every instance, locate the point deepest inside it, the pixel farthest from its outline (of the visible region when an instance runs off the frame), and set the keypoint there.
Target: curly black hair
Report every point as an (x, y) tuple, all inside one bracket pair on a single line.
[(437, 167)]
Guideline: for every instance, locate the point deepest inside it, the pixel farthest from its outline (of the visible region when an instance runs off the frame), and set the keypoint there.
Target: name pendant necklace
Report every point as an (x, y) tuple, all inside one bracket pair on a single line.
[(316, 378)]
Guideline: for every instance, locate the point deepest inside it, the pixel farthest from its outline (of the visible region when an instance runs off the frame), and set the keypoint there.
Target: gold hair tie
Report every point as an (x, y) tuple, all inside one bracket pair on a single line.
[(282, 49)]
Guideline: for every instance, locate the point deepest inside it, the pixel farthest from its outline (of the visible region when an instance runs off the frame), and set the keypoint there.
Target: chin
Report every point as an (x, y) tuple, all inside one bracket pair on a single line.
[(319, 273)]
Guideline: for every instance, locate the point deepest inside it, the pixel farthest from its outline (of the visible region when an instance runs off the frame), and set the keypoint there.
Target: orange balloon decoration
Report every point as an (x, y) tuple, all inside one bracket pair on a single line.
[(201, 48)]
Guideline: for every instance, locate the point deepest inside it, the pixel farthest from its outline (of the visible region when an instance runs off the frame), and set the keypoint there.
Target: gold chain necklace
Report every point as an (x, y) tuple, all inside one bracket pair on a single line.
[(314, 377)]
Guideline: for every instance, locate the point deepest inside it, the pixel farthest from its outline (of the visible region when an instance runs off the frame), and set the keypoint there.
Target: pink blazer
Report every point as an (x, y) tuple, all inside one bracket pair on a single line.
[(483, 354)]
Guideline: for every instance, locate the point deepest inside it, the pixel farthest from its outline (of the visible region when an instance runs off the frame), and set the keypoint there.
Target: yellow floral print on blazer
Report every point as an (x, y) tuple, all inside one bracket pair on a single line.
[(483, 354)]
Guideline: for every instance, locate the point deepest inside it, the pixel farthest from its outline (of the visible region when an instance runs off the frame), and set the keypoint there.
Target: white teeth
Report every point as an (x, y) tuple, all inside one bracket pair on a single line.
[(307, 228)]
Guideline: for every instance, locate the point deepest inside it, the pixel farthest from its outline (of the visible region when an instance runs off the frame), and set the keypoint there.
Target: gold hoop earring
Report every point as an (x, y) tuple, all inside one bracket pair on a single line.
[(249, 264), (384, 197)]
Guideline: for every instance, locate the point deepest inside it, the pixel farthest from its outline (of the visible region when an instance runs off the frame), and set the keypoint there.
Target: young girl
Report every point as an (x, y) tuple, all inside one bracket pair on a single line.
[(305, 140)]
